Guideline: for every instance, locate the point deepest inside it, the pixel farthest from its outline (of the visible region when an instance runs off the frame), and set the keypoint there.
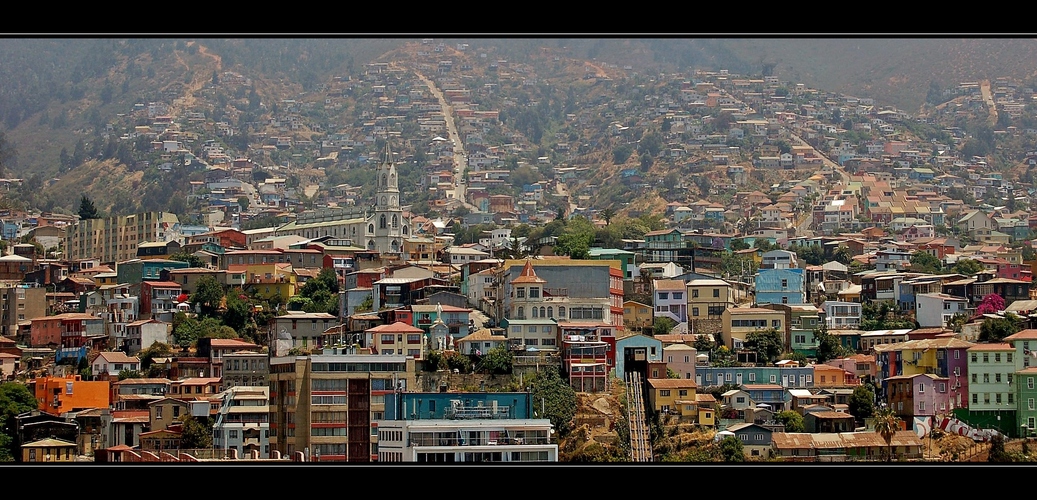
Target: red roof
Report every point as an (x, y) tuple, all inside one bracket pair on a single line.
[(528, 275)]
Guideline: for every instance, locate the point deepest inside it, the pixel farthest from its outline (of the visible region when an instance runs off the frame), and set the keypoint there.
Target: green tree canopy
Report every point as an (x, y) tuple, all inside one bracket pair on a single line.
[(87, 210), (791, 419), (553, 398), (190, 258), (496, 361), (662, 325), (208, 294), (861, 403), (968, 267), (996, 329), (731, 449), (15, 399), (196, 433), (767, 344), (925, 262)]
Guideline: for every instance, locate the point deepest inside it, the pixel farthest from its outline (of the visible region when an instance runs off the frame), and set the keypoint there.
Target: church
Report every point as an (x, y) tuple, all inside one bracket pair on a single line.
[(382, 228), (387, 227)]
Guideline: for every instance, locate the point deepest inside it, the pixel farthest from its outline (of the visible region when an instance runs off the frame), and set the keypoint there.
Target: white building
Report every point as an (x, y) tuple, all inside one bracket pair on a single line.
[(243, 421), (842, 314), (466, 440), (937, 309)]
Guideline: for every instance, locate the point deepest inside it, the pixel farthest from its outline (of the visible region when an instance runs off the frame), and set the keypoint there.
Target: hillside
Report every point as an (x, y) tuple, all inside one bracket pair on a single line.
[(64, 102)]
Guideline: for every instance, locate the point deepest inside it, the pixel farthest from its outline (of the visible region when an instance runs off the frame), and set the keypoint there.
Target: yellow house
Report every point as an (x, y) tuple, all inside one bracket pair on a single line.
[(49, 450), (738, 322), (637, 316), (707, 300), (269, 280), (665, 393), (707, 405)]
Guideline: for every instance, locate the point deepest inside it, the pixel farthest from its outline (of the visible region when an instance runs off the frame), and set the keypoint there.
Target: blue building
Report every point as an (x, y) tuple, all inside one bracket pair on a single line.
[(780, 286), (801, 377), (633, 352), (446, 405)]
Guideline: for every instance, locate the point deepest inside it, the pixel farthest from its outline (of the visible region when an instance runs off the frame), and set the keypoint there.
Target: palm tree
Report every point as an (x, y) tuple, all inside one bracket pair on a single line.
[(887, 424)]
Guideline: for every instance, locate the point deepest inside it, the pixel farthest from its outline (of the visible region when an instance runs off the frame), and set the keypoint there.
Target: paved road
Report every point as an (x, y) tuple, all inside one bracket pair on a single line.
[(458, 191)]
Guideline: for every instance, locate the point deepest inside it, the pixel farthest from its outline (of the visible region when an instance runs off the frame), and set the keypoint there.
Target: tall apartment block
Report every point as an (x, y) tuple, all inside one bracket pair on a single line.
[(115, 239)]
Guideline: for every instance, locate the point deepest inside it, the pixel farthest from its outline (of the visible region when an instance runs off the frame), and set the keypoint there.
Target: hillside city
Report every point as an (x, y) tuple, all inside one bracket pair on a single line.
[(693, 267)]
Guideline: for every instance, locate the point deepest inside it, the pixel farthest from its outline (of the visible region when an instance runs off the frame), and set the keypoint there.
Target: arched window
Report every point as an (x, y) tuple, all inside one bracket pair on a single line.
[(533, 311), (405, 230), (542, 312), (370, 228), (395, 222), (352, 230), (381, 222), (383, 183), (561, 312), (521, 313), (551, 312), (383, 200)]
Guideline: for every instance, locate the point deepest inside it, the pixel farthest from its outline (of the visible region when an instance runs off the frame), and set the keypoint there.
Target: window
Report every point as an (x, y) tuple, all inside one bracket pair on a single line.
[(752, 376), (158, 412), (678, 296), (1009, 356), (986, 357), (784, 283), (997, 357), (997, 398), (975, 378), (986, 378), (973, 357), (694, 311), (664, 392), (716, 292), (695, 293), (975, 399), (176, 412), (776, 323), (997, 378), (921, 388), (1029, 382), (1029, 404), (957, 354), (664, 295)]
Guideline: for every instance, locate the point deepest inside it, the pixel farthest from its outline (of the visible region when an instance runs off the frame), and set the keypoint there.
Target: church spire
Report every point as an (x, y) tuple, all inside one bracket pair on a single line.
[(387, 154)]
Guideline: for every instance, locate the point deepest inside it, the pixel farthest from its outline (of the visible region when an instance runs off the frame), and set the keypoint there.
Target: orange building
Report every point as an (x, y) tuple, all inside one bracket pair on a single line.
[(58, 395), (828, 376)]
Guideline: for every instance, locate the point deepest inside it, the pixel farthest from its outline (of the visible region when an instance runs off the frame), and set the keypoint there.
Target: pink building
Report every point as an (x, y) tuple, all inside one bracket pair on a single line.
[(860, 365)]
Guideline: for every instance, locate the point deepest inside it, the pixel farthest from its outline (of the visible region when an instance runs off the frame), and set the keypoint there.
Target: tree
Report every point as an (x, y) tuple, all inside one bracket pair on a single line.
[(887, 424), (208, 294), (553, 398), (15, 399), (125, 374), (968, 267), (861, 403), (767, 344), (925, 262), (996, 329), (190, 258), (662, 325), (828, 346), (87, 210), (195, 434), (791, 419), (496, 361), (731, 449), (991, 303), (608, 214)]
